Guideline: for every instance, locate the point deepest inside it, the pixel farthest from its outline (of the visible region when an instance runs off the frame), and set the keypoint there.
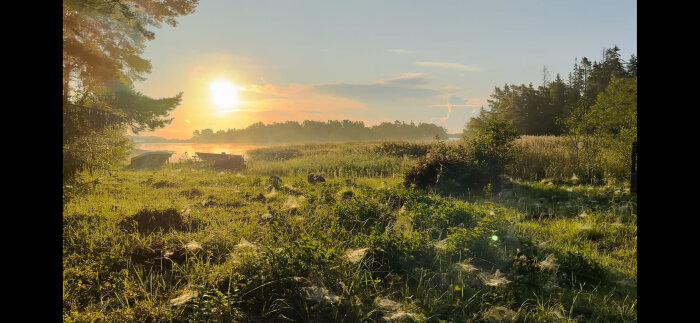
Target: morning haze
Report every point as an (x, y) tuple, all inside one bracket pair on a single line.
[(356, 161)]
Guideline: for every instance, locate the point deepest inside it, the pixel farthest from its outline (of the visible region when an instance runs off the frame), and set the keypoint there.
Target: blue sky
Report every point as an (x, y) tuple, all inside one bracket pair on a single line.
[(371, 60)]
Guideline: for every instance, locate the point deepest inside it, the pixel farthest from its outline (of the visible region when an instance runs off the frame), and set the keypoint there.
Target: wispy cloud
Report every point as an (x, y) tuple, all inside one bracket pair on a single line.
[(408, 79), (454, 66), (401, 51), (296, 97), (374, 91)]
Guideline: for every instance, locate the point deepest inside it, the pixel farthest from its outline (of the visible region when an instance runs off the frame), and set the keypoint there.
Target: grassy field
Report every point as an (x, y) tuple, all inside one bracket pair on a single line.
[(188, 243)]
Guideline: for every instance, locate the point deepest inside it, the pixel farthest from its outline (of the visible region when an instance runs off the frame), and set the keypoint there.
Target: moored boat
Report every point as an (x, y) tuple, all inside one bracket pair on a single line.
[(151, 159)]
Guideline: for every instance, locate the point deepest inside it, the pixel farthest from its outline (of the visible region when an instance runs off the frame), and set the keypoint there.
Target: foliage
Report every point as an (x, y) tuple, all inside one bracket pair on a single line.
[(604, 129), (99, 150), (481, 160), (542, 110), (102, 44)]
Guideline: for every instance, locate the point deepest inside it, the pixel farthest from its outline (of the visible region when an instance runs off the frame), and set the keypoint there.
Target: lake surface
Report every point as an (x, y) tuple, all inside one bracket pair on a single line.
[(186, 150)]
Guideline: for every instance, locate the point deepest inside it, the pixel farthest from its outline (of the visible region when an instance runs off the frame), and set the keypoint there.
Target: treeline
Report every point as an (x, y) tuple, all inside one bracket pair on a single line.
[(319, 131), (155, 139), (544, 110)]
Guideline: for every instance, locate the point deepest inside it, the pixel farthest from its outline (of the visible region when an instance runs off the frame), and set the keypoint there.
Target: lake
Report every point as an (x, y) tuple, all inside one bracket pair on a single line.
[(187, 150)]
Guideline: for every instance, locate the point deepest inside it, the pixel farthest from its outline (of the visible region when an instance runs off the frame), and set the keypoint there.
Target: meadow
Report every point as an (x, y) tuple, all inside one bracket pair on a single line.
[(189, 243)]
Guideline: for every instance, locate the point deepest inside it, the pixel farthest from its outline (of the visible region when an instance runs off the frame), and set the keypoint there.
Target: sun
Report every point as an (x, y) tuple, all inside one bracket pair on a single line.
[(224, 95)]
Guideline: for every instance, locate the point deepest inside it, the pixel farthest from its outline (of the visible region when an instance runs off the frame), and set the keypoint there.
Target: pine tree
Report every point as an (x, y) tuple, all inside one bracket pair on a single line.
[(102, 44)]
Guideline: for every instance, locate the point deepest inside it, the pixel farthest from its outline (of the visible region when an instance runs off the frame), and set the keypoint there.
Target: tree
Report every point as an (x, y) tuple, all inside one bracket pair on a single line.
[(102, 44), (632, 66), (606, 129), (614, 116), (543, 110)]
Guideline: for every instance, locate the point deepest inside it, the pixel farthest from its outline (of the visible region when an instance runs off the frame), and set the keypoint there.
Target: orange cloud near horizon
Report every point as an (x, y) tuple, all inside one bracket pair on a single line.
[(268, 103)]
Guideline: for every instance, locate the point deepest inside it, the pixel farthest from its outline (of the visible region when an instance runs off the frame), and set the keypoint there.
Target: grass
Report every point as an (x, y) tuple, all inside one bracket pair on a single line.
[(224, 246)]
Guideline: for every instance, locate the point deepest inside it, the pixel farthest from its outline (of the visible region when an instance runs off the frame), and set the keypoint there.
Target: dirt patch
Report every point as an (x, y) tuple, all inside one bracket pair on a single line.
[(347, 195), (191, 193), (147, 221), (258, 198), (315, 178), (163, 183)]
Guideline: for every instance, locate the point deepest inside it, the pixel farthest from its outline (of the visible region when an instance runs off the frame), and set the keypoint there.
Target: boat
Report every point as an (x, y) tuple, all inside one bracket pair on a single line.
[(151, 159), (223, 160)]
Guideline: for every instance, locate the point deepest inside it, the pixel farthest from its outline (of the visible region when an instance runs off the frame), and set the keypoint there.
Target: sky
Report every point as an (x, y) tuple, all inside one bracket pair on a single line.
[(375, 61)]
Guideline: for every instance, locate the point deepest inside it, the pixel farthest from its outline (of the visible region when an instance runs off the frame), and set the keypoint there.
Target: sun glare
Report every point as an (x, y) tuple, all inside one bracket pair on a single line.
[(224, 95)]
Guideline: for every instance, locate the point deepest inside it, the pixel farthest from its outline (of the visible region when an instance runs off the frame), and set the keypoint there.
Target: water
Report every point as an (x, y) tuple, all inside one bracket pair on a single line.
[(183, 151)]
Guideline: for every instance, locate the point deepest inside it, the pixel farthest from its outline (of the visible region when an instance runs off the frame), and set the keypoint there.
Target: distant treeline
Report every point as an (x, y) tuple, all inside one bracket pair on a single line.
[(319, 131), (545, 109), (155, 139)]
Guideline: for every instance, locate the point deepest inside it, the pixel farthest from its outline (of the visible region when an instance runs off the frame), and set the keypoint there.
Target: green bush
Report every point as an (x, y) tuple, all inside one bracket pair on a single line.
[(480, 161)]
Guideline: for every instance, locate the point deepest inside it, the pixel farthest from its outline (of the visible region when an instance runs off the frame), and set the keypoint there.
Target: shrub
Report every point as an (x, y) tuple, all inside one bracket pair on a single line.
[(480, 161)]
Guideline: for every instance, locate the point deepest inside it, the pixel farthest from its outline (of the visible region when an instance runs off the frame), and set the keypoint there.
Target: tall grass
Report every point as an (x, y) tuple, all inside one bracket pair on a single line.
[(353, 159), (545, 157), (558, 158), (542, 157), (334, 164)]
